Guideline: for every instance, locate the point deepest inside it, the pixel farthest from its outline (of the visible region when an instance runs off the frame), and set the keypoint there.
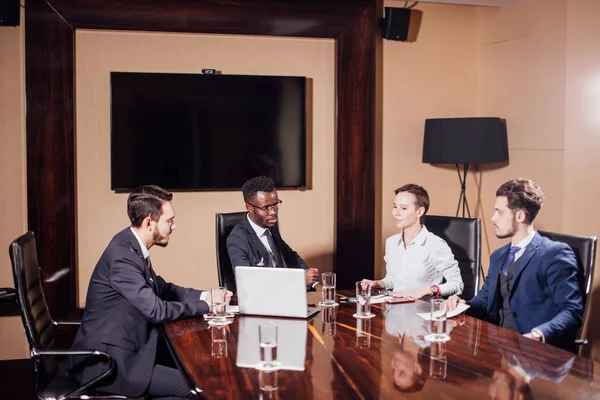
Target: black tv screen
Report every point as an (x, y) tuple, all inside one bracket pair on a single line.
[(200, 132)]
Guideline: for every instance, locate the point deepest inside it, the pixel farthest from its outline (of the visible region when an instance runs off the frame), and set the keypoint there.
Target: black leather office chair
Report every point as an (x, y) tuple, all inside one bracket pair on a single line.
[(584, 248), (463, 235), (52, 379), (225, 223)]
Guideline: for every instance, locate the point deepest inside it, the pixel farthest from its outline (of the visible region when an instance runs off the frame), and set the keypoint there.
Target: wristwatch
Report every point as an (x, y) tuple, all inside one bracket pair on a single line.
[(435, 290), (537, 335)]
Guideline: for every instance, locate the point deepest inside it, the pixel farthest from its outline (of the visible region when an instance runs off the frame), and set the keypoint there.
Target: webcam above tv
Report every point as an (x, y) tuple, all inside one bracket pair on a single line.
[(206, 131)]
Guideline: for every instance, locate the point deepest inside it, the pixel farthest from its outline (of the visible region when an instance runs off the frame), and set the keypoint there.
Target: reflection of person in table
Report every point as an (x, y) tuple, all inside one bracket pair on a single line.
[(410, 361), (408, 373), (512, 379), (417, 261)]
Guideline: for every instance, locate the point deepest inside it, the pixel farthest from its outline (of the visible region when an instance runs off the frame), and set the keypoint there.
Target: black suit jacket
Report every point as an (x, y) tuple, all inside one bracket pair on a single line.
[(246, 250), (125, 304)]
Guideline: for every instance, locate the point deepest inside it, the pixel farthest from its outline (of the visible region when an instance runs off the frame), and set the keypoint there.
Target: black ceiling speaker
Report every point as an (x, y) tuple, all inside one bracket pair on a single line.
[(9, 12), (400, 24)]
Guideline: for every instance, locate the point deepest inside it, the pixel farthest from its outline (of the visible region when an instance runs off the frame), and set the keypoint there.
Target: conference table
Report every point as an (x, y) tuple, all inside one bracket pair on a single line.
[(337, 356)]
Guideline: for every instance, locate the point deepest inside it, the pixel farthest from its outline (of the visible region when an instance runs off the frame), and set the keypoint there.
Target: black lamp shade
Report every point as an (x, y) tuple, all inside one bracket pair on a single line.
[(465, 141)]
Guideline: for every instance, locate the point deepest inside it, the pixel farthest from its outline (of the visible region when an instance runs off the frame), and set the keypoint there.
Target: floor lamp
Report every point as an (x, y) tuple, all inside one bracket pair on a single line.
[(465, 141)]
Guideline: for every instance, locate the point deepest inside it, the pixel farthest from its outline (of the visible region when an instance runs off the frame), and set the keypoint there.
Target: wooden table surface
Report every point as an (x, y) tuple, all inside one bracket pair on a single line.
[(336, 356)]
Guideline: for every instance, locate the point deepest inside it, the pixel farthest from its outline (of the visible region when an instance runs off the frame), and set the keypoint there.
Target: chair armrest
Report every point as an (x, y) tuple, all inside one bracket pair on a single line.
[(582, 342), (58, 322), (95, 353)]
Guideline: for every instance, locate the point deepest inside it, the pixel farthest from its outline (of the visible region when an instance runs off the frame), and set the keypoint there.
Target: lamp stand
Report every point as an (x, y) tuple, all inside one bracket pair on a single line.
[(463, 191)]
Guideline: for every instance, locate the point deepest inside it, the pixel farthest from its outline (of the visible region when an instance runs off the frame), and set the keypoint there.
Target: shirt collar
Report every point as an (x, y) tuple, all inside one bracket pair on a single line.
[(145, 251), (525, 242), (258, 229), (419, 239)]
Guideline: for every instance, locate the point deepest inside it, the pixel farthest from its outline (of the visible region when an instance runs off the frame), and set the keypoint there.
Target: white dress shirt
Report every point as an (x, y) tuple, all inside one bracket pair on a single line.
[(262, 235), (425, 261), (523, 245)]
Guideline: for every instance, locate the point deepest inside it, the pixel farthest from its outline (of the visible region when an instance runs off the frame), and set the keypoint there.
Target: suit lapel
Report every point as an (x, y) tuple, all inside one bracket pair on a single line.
[(135, 246), (523, 261), (279, 242), (495, 265), (257, 244)]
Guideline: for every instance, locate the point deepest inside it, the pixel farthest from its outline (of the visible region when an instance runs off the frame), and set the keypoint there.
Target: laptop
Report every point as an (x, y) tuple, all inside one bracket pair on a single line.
[(277, 292), (291, 343)]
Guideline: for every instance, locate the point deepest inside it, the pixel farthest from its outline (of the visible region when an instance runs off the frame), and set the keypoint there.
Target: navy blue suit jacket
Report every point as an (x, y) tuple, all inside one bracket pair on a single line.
[(125, 304), (545, 292)]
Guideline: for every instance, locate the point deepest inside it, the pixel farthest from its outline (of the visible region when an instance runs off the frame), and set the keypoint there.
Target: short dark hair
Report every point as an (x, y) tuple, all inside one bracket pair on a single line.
[(523, 194), (146, 201), (257, 184), (419, 192)]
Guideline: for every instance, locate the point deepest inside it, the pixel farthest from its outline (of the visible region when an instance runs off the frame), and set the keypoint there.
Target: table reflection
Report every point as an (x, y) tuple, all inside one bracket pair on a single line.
[(291, 343)]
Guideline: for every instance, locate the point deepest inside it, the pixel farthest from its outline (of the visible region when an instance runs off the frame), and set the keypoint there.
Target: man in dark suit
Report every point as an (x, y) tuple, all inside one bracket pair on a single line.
[(255, 241), (532, 283), (126, 301)]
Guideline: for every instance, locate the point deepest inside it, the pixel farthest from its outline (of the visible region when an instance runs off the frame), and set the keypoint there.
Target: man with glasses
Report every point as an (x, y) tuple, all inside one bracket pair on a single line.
[(255, 241)]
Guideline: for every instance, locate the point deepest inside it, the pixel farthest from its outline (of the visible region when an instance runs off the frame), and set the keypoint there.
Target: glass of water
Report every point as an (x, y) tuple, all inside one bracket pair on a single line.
[(438, 332), (218, 341), (328, 319), (363, 300), (218, 304), (363, 333), (438, 361), (328, 289), (267, 337), (267, 382)]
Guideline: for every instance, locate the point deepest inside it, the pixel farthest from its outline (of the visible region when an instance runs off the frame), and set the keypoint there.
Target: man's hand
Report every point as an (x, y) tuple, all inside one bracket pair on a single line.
[(218, 299), (312, 275), (453, 302)]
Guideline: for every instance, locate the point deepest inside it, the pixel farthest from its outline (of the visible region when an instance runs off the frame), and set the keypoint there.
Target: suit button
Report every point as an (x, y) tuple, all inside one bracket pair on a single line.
[(515, 314)]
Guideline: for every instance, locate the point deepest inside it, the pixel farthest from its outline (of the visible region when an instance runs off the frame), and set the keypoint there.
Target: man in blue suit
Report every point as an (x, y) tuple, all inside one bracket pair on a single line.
[(126, 302), (532, 283)]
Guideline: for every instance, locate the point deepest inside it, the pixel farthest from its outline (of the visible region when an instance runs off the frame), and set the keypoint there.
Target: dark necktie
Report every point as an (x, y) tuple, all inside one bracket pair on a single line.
[(275, 254), (510, 259)]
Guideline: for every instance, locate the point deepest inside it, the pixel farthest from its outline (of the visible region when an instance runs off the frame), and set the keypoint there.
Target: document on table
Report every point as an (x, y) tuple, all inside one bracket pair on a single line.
[(233, 309), (379, 299), (460, 308)]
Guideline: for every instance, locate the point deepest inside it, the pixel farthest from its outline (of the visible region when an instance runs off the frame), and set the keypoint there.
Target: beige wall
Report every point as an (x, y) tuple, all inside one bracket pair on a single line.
[(435, 76), (190, 257), (13, 206), (521, 77), (582, 136)]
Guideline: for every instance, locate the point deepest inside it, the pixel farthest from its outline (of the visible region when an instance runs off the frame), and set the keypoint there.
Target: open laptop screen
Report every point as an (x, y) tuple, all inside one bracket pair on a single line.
[(277, 292)]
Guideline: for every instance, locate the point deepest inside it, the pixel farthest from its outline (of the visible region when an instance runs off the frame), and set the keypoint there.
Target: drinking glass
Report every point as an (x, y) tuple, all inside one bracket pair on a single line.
[(438, 332), (328, 319), (438, 361), (363, 301), (267, 337), (328, 289), (363, 333), (218, 341), (267, 382), (218, 305)]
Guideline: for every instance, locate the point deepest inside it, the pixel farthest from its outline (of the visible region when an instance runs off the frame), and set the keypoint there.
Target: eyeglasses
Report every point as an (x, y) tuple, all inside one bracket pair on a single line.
[(266, 209)]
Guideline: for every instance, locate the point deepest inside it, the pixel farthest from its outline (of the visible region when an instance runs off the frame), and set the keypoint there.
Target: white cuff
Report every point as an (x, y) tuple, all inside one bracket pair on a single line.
[(539, 333)]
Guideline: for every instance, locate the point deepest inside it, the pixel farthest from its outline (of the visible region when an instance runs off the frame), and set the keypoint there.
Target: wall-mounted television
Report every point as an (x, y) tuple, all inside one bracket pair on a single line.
[(206, 132)]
